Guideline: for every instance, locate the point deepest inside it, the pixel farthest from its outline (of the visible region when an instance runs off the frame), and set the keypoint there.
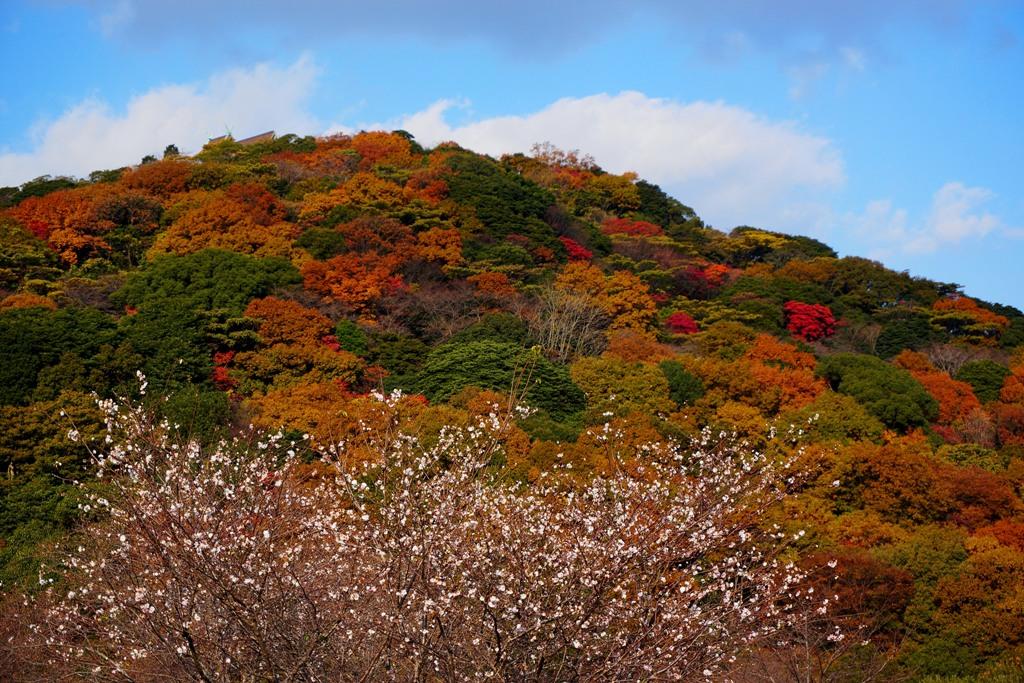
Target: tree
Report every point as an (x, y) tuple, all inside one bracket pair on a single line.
[(615, 387), (574, 250), (356, 280), (499, 366), (904, 330), (506, 203), (279, 366), (568, 325), (33, 339), (985, 377), (684, 387), (378, 147), (624, 226), (163, 179), (208, 279), (288, 322), (956, 399), (810, 322), (622, 295), (438, 244), (68, 221), (835, 417), (889, 393), (962, 317), (421, 561), (680, 323), (245, 218), (41, 457)]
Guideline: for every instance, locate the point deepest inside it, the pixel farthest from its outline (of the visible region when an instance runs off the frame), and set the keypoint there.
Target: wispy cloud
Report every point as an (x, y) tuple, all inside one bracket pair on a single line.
[(957, 214)]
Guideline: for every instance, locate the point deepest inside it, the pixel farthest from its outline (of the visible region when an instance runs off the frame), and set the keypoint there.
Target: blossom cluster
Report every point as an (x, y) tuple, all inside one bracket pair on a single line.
[(258, 558)]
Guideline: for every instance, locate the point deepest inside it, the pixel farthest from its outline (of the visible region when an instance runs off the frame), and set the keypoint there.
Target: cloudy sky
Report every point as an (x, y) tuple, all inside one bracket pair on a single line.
[(887, 129)]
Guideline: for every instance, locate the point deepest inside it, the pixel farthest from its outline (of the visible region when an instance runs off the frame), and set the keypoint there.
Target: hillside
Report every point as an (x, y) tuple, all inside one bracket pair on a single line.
[(279, 283)]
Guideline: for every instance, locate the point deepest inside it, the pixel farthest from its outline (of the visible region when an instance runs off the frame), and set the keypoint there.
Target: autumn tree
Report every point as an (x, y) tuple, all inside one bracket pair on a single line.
[(616, 387), (245, 218), (962, 317), (355, 280), (810, 322), (956, 399), (622, 295), (288, 322)]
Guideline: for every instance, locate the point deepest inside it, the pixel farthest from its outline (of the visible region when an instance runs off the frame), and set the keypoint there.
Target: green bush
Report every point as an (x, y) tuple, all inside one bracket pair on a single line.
[(32, 339), (889, 393), (910, 330), (208, 279), (985, 377), (497, 365), (500, 327), (684, 387), (505, 202), (351, 337)]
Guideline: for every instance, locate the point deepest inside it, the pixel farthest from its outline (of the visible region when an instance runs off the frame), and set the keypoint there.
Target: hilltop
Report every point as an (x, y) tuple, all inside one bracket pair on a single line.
[(280, 281)]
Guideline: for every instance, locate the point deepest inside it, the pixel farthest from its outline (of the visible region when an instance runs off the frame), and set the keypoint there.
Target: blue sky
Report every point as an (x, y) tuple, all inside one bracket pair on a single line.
[(889, 130)]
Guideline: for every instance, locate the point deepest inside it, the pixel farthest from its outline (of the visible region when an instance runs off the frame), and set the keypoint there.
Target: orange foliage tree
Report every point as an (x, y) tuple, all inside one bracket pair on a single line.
[(160, 178), (1009, 410), (288, 322), (494, 285), (963, 317), (771, 376), (378, 147), (440, 244), (355, 280), (363, 190), (245, 218), (27, 300), (956, 399), (622, 295), (72, 222)]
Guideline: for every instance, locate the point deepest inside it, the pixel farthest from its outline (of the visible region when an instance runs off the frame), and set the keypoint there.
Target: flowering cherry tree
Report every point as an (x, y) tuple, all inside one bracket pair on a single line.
[(258, 559)]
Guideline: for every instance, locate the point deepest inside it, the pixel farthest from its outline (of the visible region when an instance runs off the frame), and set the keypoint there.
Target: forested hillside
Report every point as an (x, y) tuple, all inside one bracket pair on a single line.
[(284, 283)]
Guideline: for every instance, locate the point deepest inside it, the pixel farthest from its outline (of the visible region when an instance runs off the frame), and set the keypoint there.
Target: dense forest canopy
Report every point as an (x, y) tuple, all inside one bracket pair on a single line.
[(280, 283)]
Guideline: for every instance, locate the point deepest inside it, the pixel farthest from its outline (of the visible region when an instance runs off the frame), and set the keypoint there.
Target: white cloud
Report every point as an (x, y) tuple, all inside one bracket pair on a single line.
[(733, 166), (956, 214), (91, 135)]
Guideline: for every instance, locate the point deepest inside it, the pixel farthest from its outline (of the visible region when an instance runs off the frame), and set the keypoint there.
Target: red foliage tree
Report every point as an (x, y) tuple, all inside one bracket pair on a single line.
[(575, 250), (681, 323), (810, 322)]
